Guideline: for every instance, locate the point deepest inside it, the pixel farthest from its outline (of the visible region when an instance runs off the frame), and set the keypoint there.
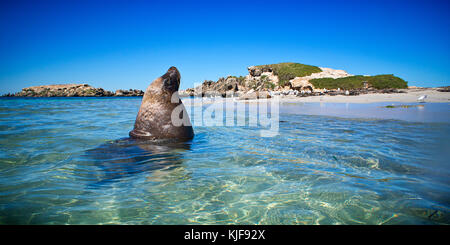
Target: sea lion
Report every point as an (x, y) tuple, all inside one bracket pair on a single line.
[(162, 115)]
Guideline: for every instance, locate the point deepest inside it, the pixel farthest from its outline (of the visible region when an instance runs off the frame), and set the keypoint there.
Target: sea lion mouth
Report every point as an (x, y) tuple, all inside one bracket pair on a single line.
[(171, 80)]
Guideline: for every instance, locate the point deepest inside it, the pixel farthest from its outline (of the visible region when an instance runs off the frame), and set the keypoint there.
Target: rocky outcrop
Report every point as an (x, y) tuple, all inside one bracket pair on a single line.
[(72, 90), (303, 84), (256, 71), (261, 79), (252, 95), (223, 87), (186, 93), (63, 90), (444, 89), (128, 93), (283, 79)]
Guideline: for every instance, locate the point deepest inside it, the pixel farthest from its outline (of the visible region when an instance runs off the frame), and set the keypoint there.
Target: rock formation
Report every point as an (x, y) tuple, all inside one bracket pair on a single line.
[(72, 90), (251, 95), (208, 88), (444, 89), (260, 78), (289, 78), (302, 83), (128, 93), (63, 90)]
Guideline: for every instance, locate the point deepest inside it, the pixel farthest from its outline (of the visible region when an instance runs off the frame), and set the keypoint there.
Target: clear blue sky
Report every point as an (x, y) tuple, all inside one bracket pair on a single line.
[(120, 45)]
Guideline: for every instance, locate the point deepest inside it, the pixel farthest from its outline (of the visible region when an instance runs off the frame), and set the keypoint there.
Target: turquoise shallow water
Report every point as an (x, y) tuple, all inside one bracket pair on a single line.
[(67, 161)]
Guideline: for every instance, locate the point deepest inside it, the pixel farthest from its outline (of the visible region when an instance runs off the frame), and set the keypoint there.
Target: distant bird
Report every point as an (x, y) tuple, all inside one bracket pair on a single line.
[(422, 98)]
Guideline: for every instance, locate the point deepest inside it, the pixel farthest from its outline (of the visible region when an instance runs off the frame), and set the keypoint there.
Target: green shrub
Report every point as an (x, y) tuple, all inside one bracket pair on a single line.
[(387, 81), (269, 85), (352, 82), (241, 80), (287, 71), (356, 82), (267, 82)]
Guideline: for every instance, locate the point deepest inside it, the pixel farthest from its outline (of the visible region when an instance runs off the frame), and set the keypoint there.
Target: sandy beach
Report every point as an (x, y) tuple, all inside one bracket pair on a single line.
[(410, 96)]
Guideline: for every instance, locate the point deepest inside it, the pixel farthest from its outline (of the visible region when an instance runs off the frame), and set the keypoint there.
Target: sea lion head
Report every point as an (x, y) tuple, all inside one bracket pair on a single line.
[(165, 85), (171, 80), (159, 104)]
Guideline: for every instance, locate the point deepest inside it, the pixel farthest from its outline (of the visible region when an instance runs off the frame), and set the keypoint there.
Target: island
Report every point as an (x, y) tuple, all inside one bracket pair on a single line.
[(72, 90), (307, 83), (287, 80), (297, 79)]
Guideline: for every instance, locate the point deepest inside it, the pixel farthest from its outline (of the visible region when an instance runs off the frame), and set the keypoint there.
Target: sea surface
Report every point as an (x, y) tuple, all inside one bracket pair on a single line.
[(69, 161)]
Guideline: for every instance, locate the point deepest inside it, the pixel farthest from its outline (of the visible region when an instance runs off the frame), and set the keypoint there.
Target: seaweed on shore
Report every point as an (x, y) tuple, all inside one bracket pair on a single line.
[(403, 106)]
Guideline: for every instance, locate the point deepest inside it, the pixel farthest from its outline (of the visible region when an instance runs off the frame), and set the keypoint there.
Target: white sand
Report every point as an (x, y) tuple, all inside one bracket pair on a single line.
[(410, 96)]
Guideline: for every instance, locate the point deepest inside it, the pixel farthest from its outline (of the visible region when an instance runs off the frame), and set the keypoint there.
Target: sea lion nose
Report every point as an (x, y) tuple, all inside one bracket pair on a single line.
[(173, 69)]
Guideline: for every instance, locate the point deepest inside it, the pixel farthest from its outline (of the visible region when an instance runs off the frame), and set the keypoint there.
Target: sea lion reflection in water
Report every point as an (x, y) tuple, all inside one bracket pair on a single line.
[(161, 132)]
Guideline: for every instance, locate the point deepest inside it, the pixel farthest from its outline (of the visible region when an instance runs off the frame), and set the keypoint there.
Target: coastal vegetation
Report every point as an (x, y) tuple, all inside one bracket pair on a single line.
[(387, 81), (358, 82), (288, 77), (267, 83), (240, 79), (348, 83), (72, 90), (289, 70), (403, 106)]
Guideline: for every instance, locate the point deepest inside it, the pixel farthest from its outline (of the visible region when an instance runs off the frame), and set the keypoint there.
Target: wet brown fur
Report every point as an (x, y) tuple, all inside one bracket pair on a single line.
[(154, 117)]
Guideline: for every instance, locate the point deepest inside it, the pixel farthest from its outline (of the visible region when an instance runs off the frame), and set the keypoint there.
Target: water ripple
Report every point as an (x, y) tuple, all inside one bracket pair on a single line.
[(66, 161)]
